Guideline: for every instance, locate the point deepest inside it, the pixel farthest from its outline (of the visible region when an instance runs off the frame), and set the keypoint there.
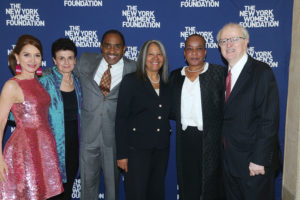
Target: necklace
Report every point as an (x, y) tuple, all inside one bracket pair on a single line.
[(197, 70), (156, 82), (70, 83)]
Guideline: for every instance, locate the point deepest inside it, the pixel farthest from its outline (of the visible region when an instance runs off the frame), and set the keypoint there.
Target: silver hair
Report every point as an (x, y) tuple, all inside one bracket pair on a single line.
[(243, 29), (141, 61)]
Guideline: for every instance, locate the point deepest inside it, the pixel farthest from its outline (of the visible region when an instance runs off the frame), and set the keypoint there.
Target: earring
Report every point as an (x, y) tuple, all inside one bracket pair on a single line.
[(18, 69), (39, 71)]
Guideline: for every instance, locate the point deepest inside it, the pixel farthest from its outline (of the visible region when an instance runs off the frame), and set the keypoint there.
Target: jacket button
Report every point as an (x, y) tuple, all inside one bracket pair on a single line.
[(170, 130), (159, 117), (158, 130), (134, 129), (160, 105)]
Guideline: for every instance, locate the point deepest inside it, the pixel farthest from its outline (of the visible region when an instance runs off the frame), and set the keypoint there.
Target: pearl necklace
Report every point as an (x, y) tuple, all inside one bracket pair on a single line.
[(156, 82), (197, 70)]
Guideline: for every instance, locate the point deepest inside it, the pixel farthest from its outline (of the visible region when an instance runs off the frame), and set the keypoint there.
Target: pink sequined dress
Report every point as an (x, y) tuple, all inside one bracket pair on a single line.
[(30, 152)]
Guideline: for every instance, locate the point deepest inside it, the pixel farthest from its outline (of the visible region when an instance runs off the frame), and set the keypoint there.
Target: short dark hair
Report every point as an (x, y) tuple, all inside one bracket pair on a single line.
[(113, 31), (63, 44), (195, 35), (23, 41), (141, 61)]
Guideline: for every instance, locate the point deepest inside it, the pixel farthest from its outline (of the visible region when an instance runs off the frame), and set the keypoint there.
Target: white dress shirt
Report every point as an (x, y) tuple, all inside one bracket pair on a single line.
[(116, 72), (237, 69), (191, 105)]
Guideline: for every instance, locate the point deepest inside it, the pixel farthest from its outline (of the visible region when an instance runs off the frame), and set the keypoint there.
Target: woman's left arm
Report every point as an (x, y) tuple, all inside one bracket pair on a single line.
[(122, 121)]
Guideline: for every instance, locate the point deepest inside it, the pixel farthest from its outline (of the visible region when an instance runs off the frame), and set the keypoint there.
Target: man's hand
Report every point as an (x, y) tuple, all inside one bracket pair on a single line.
[(256, 169), (123, 164)]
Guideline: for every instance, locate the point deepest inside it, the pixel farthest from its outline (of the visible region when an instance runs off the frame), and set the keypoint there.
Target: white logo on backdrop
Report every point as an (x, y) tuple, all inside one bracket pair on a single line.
[(257, 18), (83, 3), (132, 52), (83, 38), (77, 190), (264, 56), (23, 16), (139, 18), (208, 36), (199, 3)]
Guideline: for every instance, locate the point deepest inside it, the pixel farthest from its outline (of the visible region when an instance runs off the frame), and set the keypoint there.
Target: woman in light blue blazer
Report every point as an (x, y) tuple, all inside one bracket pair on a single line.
[(64, 111)]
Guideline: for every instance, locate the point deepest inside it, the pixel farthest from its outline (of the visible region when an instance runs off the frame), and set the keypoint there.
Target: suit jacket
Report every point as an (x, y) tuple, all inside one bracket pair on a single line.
[(142, 120), (98, 111), (250, 122), (212, 85)]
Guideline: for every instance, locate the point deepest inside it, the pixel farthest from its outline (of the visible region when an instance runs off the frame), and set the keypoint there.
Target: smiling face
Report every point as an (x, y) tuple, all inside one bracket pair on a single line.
[(29, 58), (154, 58), (233, 51), (195, 51), (112, 48), (65, 61)]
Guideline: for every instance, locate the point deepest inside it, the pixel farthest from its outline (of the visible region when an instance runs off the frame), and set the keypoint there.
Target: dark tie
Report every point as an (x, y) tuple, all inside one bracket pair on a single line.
[(228, 85), (105, 81)]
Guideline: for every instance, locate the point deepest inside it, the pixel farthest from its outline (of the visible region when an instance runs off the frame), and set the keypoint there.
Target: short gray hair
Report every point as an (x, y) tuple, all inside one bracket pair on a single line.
[(141, 61), (243, 29)]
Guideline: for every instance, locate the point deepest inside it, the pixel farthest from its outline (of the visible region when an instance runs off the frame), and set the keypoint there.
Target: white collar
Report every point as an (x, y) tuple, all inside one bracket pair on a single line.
[(239, 65)]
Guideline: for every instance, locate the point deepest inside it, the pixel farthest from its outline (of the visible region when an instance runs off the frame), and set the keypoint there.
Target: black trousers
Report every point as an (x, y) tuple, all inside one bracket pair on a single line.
[(260, 187), (189, 163), (145, 179), (71, 158)]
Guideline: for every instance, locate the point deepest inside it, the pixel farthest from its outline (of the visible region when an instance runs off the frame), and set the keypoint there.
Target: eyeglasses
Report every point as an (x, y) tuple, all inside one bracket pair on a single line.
[(233, 40)]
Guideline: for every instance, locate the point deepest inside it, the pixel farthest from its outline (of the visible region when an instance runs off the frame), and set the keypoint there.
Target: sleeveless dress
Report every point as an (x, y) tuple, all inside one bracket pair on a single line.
[(30, 152)]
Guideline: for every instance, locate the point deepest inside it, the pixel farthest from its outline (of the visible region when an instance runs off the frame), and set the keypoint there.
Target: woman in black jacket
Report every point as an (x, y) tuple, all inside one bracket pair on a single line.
[(198, 92), (142, 124)]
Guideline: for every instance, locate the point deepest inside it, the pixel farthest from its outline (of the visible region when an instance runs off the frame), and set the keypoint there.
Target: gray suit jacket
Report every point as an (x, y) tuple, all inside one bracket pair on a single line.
[(98, 112)]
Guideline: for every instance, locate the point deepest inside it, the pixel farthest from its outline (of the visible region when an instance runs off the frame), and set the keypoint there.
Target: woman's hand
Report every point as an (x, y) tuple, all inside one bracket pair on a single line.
[(3, 169), (123, 164)]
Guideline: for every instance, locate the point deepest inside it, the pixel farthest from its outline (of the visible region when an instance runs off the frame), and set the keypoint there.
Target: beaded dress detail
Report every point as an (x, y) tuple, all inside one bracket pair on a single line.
[(30, 152)]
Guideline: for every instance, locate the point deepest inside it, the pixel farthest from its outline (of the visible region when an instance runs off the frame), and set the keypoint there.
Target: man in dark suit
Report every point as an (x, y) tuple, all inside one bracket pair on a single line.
[(100, 95), (250, 123)]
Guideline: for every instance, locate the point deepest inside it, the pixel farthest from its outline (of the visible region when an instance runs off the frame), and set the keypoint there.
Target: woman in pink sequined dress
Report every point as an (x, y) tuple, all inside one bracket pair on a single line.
[(28, 164)]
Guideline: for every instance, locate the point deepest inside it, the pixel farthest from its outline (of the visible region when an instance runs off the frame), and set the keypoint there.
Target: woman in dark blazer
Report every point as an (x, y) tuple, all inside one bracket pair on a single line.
[(198, 97), (142, 124)]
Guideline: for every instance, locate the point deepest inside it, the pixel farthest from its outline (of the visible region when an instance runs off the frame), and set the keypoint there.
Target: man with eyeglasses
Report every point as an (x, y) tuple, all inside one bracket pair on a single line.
[(100, 77), (250, 124)]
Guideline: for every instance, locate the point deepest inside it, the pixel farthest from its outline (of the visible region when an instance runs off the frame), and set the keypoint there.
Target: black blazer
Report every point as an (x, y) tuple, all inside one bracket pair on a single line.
[(142, 120), (251, 116)]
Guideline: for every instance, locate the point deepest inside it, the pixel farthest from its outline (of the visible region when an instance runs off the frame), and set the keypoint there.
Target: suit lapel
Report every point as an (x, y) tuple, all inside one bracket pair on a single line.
[(93, 70), (125, 71), (241, 81), (150, 88)]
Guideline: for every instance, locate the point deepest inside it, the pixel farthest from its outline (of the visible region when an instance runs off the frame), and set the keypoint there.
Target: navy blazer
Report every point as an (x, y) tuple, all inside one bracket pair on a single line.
[(142, 119), (251, 116)]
